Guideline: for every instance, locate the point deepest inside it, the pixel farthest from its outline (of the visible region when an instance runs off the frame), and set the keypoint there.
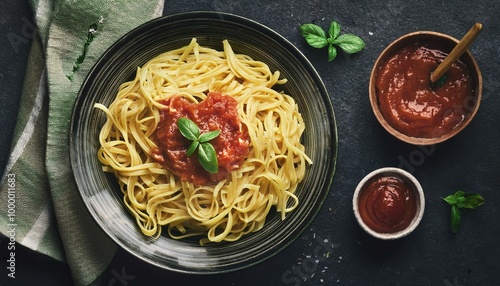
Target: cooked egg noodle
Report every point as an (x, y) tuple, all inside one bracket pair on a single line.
[(234, 207)]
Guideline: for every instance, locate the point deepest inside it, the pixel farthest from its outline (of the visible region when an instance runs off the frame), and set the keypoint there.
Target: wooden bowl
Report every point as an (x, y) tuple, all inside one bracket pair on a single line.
[(448, 43)]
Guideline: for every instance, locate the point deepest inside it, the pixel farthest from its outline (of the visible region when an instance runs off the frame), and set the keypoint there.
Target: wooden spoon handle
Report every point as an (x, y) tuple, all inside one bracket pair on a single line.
[(457, 52)]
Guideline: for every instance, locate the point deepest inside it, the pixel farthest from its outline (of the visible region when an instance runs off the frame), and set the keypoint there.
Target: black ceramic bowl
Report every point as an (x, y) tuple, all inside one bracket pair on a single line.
[(99, 190)]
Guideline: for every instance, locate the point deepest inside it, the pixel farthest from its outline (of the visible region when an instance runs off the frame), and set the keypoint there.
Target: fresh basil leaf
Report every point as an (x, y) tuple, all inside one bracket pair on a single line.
[(456, 219), (332, 52), (205, 137), (451, 199), (334, 30), (315, 35), (460, 201), (192, 147), (312, 29), (188, 128), (208, 157), (316, 41), (472, 201), (350, 43)]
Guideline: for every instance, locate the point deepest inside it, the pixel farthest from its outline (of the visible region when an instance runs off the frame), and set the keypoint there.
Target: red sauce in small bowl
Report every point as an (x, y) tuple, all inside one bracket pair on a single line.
[(414, 106), (386, 204)]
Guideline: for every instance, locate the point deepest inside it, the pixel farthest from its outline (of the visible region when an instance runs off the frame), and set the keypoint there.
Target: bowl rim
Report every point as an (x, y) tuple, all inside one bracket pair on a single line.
[(326, 182), (414, 185), (396, 45)]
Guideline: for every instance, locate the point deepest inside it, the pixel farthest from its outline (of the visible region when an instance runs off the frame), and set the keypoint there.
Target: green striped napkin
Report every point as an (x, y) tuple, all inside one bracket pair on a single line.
[(40, 206)]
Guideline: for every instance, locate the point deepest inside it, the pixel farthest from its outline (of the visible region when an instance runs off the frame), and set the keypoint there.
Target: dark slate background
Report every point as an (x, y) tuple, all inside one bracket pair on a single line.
[(334, 250)]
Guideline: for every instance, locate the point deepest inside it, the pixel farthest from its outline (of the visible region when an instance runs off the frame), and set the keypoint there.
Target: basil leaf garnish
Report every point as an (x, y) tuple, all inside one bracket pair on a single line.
[(456, 218), (350, 43), (205, 137), (316, 37), (188, 128), (206, 151), (458, 201), (208, 157)]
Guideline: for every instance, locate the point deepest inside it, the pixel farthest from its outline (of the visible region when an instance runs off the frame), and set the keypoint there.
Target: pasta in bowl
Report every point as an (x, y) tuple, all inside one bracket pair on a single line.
[(231, 206), (244, 215)]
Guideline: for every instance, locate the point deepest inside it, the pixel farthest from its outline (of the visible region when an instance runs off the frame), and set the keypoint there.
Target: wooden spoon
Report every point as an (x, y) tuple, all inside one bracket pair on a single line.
[(457, 52)]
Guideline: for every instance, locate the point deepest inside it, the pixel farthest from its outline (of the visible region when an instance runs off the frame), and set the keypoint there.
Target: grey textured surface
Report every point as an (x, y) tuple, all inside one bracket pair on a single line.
[(335, 251)]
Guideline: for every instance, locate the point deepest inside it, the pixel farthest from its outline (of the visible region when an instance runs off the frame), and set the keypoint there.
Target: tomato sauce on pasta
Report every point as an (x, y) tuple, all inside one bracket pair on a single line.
[(216, 112)]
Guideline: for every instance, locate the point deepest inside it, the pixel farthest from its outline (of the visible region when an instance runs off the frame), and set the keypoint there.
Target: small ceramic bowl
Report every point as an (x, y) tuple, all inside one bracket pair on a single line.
[(408, 180), (447, 42)]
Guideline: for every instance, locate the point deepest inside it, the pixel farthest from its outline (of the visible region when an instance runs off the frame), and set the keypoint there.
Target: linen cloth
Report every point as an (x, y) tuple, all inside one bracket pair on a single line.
[(46, 213)]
